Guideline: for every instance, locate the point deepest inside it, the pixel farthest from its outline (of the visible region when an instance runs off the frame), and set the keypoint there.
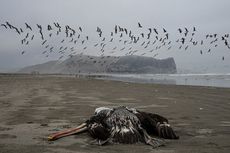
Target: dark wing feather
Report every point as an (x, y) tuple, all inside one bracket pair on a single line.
[(96, 127), (155, 124), (98, 131)]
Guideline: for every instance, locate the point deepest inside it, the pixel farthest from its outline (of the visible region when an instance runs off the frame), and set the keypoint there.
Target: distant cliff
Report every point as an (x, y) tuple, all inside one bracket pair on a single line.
[(139, 64), (107, 64)]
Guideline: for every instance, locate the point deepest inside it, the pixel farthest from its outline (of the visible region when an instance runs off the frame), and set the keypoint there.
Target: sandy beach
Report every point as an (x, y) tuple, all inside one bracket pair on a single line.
[(32, 107)]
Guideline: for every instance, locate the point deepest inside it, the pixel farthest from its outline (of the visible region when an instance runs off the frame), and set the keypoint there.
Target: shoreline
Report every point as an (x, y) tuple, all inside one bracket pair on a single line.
[(198, 80)]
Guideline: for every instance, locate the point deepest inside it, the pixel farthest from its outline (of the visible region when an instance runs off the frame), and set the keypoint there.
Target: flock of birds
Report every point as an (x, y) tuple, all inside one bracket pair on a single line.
[(149, 41)]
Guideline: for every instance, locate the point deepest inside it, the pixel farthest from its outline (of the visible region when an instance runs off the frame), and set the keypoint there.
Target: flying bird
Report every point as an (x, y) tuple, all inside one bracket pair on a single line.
[(155, 30), (49, 27), (44, 42), (9, 25), (201, 52), (80, 29), (142, 34), (32, 37), (28, 27), (4, 25), (139, 25), (194, 29), (23, 52)]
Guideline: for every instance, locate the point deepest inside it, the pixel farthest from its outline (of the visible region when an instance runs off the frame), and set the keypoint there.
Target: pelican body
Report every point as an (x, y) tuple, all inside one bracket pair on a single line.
[(123, 125)]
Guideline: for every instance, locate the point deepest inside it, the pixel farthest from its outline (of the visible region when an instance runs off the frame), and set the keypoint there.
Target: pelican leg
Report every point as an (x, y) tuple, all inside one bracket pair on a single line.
[(154, 142), (100, 142)]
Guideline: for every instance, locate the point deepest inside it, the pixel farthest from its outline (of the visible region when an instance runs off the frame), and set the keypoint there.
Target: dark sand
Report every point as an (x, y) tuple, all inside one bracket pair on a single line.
[(32, 107)]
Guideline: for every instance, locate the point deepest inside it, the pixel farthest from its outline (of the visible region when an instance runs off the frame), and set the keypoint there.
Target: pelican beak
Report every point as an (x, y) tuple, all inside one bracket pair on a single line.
[(55, 136)]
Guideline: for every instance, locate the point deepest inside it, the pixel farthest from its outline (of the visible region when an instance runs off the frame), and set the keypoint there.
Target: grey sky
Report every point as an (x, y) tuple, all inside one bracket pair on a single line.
[(209, 16)]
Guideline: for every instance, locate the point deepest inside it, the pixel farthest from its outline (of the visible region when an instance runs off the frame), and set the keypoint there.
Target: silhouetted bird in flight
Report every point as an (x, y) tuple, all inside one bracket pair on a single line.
[(201, 52), (44, 42), (9, 25), (49, 27), (142, 34), (167, 36), (80, 29), (27, 35), (186, 47), (4, 25), (150, 30), (16, 29), (139, 25), (115, 29), (28, 27), (148, 35), (202, 42), (182, 40), (155, 30), (194, 29)]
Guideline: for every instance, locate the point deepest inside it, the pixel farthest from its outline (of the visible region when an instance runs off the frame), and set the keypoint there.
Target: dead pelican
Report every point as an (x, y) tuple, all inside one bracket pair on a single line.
[(123, 125)]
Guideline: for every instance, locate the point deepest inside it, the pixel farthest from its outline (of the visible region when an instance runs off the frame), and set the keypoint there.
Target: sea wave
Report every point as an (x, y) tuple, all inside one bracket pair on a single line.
[(202, 79)]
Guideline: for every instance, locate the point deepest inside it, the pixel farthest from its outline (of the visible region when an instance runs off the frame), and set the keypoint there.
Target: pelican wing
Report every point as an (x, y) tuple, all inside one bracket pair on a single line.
[(157, 125)]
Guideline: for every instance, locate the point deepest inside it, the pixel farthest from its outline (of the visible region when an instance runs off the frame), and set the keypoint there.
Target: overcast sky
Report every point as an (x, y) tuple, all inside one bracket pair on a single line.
[(208, 16)]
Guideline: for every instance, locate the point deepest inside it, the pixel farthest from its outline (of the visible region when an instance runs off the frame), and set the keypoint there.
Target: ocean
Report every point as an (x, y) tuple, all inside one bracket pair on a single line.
[(208, 79)]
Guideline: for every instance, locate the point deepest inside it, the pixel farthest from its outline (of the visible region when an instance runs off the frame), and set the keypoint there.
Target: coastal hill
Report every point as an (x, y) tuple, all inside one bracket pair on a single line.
[(106, 64)]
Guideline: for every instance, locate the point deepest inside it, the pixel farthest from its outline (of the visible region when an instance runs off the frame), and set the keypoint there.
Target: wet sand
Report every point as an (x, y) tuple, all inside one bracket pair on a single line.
[(32, 107)]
